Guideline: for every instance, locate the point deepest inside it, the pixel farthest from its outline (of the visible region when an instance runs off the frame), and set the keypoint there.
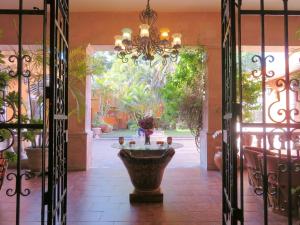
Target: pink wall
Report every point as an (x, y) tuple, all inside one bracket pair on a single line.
[(100, 28)]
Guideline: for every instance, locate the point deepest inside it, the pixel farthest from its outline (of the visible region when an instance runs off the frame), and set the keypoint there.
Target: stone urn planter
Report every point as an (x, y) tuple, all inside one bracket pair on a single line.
[(146, 169), (218, 159), (35, 159)]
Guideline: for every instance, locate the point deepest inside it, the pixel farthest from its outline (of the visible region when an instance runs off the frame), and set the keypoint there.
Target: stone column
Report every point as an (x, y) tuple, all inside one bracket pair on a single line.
[(80, 137), (212, 108)]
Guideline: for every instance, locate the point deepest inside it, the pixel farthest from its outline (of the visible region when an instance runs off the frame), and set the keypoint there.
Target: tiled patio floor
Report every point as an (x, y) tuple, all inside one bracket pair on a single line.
[(100, 196)]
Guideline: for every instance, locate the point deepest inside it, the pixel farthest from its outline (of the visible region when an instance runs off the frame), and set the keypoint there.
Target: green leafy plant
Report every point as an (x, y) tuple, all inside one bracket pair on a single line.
[(251, 88), (34, 136), (184, 91), (251, 93), (4, 78), (134, 88), (4, 134), (132, 125), (96, 123), (80, 66), (11, 157)]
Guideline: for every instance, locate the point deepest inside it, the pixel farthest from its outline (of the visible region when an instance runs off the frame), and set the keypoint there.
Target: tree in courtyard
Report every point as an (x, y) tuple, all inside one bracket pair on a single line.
[(135, 87), (184, 91)]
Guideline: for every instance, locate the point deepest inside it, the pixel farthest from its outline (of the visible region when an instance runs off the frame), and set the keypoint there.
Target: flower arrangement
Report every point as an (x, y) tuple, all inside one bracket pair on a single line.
[(147, 124)]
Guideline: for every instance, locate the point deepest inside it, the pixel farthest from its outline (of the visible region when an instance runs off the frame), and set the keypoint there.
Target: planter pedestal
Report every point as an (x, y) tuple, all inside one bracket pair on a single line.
[(146, 169), (146, 196)]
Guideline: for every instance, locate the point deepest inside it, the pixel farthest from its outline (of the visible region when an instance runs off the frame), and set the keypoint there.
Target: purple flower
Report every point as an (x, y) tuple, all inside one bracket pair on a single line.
[(147, 123)]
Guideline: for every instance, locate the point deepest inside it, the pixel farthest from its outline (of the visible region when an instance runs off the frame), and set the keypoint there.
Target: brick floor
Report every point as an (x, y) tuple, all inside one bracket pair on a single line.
[(100, 196)]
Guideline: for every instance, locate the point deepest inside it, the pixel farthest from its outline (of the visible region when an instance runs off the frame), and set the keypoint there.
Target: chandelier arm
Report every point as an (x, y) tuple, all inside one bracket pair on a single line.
[(121, 55), (149, 45)]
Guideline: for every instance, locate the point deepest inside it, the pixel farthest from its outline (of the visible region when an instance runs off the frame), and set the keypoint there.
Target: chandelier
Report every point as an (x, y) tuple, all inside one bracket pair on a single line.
[(149, 42)]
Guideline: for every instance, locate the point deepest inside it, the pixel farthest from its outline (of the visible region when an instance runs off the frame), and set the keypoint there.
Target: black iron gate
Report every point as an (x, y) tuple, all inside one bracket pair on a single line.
[(231, 212), (47, 123), (261, 155), (58, 108)]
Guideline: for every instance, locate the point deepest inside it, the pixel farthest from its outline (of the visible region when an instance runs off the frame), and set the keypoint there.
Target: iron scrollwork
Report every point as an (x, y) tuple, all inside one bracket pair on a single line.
[(13, 176), (258, 59)]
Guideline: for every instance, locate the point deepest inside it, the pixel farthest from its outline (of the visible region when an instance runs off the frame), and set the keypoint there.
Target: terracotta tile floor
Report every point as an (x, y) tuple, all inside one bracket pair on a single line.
[(192, 196)]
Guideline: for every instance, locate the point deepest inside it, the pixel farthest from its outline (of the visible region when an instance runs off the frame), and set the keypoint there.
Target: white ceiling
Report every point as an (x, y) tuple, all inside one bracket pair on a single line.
[(159, 5)]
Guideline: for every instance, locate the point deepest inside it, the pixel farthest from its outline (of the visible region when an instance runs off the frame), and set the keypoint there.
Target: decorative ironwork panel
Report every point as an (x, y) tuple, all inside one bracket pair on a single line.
[(231, 213), (58, 102), (15, 122), (273, 163)]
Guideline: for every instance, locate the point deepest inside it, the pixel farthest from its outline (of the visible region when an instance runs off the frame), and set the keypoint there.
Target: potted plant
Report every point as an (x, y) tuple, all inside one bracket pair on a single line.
[(105, 127), (34, 150), (97, 131)]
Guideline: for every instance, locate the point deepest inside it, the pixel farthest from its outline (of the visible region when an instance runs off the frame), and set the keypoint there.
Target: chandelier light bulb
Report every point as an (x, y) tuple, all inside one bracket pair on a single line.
[(164, 34), (176, 40), (144, 30), (127, 34), (118, 42)]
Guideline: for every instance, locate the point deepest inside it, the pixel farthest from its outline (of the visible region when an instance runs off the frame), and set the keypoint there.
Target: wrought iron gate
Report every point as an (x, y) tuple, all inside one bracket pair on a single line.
[(269, 145), (231, 212), (49, 126), (58, 108)]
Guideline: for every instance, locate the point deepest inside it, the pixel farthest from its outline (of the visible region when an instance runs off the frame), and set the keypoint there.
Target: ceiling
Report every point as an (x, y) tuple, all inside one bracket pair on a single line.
[(159, 5)]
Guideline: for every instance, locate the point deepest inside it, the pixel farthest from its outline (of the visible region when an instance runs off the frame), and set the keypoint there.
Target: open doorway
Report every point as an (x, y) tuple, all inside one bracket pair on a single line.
[(123, 93)]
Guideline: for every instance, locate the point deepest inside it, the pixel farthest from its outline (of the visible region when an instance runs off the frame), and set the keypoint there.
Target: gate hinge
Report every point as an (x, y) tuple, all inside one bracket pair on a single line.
[(238, 214), (46, 198)]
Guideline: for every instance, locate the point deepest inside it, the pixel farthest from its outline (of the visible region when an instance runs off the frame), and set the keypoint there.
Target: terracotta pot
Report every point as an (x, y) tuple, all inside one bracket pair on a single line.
[(106, 128), (35, 159), (218, 159)]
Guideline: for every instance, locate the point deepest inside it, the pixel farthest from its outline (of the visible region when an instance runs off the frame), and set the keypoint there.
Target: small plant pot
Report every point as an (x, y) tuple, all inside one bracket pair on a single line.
[(35, 159), (106, 128)]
